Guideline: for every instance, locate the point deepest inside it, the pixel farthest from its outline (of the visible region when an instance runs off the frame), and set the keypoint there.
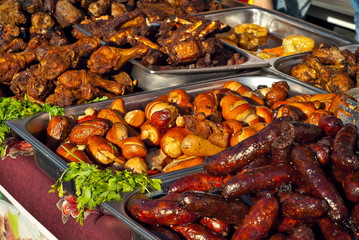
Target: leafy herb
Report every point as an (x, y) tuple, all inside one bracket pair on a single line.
[(98, 99), (11, 108), (94, 186)]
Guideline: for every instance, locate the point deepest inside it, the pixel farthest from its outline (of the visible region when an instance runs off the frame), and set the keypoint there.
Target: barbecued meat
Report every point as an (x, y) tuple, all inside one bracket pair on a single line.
[(106, 28), (66, 13), (57, 60), (158, 11), (19, 82), (17, 44), (10, 17), (31, 6), (99, 8), (108, 58), (12, 63), (329, 68), (78, 86)]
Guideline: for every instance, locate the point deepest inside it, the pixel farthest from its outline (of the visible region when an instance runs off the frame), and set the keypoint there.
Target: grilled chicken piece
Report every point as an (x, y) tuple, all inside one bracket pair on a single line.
[(341, 82), (57, 60), (15, 45), (12, 63), (328, 55), (107, 58), (78, 86), (31, 6), (99, 8)]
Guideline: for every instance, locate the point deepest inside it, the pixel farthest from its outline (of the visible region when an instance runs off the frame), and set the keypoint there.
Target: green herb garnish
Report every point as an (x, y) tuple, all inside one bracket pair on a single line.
[(11, 108), (98, 99), (94, 186)]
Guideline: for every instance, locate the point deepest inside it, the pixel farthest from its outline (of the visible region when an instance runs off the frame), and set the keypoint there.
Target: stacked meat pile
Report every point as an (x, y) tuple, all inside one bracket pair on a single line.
[(329, 68), (43, 57), (291, 180)]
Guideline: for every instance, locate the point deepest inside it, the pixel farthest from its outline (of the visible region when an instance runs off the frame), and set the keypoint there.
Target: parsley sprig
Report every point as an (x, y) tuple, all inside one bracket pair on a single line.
[(94, 186), (11, 108)]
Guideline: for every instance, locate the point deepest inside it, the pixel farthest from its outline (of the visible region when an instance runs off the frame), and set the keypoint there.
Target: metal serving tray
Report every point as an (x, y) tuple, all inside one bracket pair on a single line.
[(279, 25), (33, 129), (155, 77), (283, 66)]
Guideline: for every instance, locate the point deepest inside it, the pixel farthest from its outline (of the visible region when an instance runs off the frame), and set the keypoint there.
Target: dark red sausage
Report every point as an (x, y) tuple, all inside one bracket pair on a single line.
[(285, 224), (351, 186), (332, 230), (278, 236), (197, 231), (308, 166), (216, 225), (158, 212), (235, 158), (259, 162), (281, 148), (302, 232), (306, 133), (258, 179), (163, 233), (354, 217), (322, 152), (259, 220), (343, 148), (214, 206), (300, 206), (196, 182)]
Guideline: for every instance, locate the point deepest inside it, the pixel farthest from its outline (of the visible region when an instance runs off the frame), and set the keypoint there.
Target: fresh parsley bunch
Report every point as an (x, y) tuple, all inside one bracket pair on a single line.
[(94, 186), (11, 108)]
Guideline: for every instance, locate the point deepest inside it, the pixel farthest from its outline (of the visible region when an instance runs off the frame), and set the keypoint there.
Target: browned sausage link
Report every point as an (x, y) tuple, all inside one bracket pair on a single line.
[(163, 233), (302, 232), (281, 148), (306, 163), (354, 217), (216, 225), (300, 206), (278, 236), (84, 130), (234, 158), (158, 212), (214, 206), (258, 179), (322, 152), (351, 186), (285, 224), (332, 230), (306, 133), (343, 148), (57, 130), (196, 182), (197, 231), (259, 220), (259, 162)]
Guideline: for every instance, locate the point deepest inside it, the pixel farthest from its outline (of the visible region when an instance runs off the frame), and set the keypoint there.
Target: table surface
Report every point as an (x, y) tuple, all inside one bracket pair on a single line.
[(30, 186)]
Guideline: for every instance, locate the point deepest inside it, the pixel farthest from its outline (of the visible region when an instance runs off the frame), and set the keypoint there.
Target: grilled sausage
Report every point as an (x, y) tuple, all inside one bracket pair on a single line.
[(259, 220), (302, 232), (305, 162), (351, 186), (332, 230), (197, 182), (258, 179), (197, 231), (234, 158), (216, 225), (300, 206), (343, 148), (214, 206), (158, 212)]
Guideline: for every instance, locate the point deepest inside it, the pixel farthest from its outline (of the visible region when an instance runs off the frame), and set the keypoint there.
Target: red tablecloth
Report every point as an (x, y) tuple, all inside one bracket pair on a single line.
[(29, 186)]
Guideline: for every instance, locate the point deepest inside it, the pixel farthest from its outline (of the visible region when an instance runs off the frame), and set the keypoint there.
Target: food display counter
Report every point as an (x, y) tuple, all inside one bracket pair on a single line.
[(164, 92)]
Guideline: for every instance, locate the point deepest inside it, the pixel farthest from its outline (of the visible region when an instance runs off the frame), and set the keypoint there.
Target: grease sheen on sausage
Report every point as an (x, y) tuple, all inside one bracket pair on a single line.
[(259, 220), (214, 206), (306, 163)]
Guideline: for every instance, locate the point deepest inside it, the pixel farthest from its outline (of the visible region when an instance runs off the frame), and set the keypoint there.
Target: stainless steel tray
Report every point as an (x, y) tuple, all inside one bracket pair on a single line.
[(279, 25), (153, 77), (33, 129), (282, 66)]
